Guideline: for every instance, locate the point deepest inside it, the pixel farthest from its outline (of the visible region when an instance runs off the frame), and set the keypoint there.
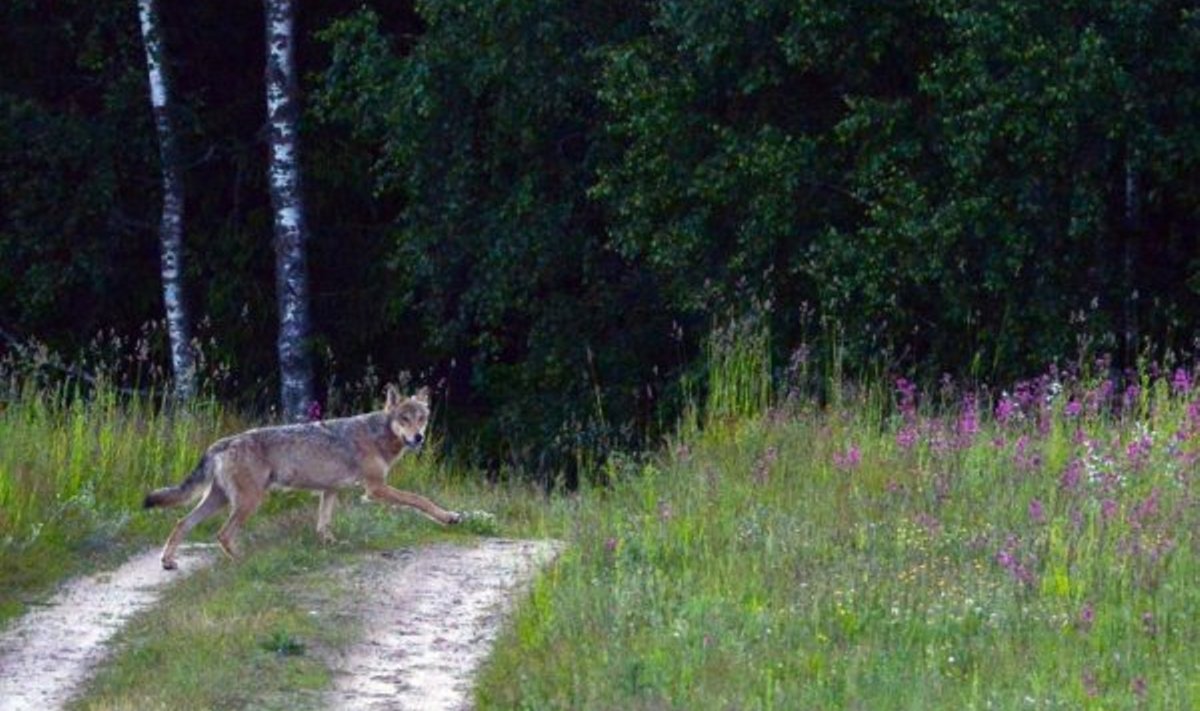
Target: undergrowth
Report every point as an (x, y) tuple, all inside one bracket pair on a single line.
[(897, 549), (74, 466)]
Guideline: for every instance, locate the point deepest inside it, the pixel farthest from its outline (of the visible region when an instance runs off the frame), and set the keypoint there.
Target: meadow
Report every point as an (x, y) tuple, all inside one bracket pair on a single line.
[(889, 547), (1034, 548)]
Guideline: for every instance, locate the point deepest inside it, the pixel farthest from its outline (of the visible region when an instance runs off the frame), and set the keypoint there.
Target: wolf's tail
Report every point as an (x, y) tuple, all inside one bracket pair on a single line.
[(175, 495)]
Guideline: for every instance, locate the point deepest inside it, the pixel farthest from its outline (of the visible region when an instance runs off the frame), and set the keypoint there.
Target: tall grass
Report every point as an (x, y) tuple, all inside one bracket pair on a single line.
[(738, 358), (74, 465), (1036, 551)]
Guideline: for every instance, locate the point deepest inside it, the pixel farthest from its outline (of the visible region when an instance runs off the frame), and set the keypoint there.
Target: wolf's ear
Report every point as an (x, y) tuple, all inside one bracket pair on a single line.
[(393, 398), (422, 395)]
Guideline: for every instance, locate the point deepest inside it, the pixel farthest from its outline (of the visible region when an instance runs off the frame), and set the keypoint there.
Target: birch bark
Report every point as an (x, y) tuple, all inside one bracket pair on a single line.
[(183, 364), (291, 271)]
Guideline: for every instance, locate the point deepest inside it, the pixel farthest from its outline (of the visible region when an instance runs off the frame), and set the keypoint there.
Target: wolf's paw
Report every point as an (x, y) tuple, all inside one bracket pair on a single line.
[(479, 522), (169, 564)]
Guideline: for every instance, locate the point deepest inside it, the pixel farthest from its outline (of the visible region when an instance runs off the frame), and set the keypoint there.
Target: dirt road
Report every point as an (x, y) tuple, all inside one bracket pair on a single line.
[(47, 654), (429, 616)]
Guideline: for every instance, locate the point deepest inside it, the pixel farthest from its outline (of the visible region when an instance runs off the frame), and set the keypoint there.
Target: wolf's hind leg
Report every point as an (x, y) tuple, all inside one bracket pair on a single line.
[(212, 502), (243, 506), (325, 515)]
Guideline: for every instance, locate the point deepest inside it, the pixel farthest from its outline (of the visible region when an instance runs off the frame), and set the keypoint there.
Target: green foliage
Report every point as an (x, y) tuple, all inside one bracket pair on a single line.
[(546, 205), (859, 557), (944, 183), (73, 470), (486, 135)]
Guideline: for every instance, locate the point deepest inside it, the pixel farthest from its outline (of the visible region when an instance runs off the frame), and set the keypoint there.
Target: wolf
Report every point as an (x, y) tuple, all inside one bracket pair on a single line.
[(324, 456)]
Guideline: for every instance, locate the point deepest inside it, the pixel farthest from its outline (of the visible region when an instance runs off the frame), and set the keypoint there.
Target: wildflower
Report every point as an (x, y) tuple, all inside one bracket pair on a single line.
[(968, 422), (762, 466), (1108, 509), (930, 523), (1071, 475), (314, 411), (1137, 452), (1181, 383), (1018, 568), (1145, 510), (1052, 390), (1087, 616), (1139, 687), (1091, 687), (610, 545), (1148, 624), (1006, 409), (1037, 512), (849, 460), (908, 396), (1024, 458), (1133, 393), (906, 438), (1073, 408), (1096, 399)]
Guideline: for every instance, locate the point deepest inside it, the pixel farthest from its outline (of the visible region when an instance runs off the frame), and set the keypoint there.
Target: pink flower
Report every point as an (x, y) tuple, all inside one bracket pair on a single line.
[(968, 422), (1087, 616), (1132, 394), (1139, 687), (1180, 382), (1138, 451), (314, 411), (1071, 475), (849, 460), (1005, 409), (1037, 512)]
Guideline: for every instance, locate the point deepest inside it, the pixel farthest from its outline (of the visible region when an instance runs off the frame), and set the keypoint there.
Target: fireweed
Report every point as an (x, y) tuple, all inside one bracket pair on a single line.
[(894, 549)]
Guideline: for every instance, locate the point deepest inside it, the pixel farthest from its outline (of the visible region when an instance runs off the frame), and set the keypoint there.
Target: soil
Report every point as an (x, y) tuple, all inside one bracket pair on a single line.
[(430, 616), (48, 653)]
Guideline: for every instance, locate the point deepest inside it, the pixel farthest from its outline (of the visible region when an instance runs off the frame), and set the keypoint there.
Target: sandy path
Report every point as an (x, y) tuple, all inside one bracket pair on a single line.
[(47, 654), (430, 616)]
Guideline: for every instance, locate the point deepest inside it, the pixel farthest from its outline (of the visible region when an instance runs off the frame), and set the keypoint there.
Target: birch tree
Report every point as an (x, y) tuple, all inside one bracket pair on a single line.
[(171, 226), (291, 273)]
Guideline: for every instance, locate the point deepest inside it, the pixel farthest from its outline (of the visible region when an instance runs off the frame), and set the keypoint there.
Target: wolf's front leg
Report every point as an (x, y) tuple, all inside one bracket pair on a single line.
[(382, 492), (325, 516)]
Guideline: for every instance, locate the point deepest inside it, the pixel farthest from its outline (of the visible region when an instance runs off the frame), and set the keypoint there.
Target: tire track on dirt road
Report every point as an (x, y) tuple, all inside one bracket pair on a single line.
[(430, 616), (47, 655)]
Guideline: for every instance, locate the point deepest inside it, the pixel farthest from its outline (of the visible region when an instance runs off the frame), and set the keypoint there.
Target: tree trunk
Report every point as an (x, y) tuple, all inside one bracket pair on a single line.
[(291, 273), (183, 364)]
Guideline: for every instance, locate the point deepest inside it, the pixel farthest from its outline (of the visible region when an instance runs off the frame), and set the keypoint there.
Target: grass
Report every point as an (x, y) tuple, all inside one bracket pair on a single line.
[(261, 632), (73, 469), (894, 549), (883, 554)]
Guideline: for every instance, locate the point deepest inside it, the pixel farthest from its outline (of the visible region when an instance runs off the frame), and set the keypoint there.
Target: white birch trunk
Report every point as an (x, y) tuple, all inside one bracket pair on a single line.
[(183, 364), (291, 273)]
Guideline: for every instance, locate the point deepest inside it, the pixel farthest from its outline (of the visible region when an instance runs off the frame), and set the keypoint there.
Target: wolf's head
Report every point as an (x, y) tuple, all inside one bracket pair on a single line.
[(408, 416)]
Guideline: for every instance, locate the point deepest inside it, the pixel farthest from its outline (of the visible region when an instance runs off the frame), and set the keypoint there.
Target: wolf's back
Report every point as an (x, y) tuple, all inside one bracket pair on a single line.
[(175, 495)]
